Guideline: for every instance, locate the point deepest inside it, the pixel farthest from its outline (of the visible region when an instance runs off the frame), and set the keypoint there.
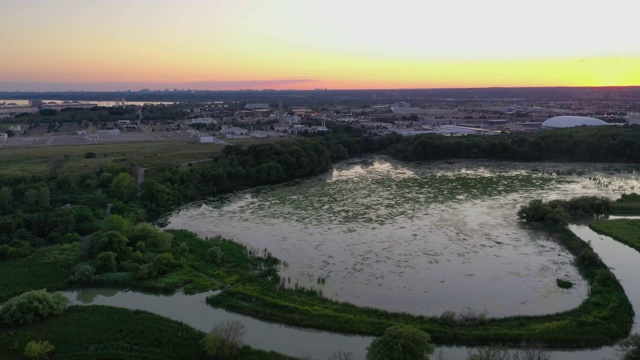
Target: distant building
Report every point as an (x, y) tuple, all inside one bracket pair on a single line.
[(15, 128), (109, 132), (73, 105), (36, 103), (566, 121), (232, 131), (3, 136), (205, 120), (207, 139), (257, 106)]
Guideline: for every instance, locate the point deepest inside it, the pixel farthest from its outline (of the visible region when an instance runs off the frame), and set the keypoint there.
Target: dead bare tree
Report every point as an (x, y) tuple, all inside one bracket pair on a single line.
[(340, 355)]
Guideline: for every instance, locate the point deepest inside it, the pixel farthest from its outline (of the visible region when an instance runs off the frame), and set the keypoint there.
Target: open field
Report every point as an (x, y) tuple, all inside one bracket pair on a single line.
[(102, 332), (626, 231), (35, 160)]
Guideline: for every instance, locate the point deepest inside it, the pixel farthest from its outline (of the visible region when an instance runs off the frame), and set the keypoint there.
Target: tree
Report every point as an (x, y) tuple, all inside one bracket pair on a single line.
[(154, 239), (490, 353), (214, 254), (109, 241), (38, 350), (106, 262), (123, 187), (116, 223), (6, 198), (401, 342), (83, 274), (340, 355), (225, 340)]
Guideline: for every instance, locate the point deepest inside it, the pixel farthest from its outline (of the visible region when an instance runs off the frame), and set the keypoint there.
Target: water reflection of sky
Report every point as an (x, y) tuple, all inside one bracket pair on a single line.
[(421, 238)]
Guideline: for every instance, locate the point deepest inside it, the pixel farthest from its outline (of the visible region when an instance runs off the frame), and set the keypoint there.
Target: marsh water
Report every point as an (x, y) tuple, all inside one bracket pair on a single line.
[(418, 238)]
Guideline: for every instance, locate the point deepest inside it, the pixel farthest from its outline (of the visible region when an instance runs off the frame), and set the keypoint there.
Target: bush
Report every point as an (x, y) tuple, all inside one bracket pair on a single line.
[(89, 155), (164, 263), (106, 262), (38, 350), (564, 284), (32, 306), (83, 274), (214, 255), (225, 340)]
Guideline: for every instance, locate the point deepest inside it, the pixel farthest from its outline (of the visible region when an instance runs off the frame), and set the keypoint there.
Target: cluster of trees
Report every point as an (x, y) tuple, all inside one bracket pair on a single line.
[(561, 212), (141, 250), (41, 211), (592, 144)]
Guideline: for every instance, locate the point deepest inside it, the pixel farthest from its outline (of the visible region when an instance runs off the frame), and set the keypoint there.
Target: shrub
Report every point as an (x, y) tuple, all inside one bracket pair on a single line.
[(32, 306), (106, 262), (225, 340), (38, 350), (214, 255), (564, 284), (89, 155), (164, 263), (83, 274)]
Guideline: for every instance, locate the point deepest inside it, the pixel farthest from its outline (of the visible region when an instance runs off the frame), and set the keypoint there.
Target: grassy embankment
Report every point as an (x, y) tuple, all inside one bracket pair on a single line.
[(627, 204), (626, 231), (603, 318), (103, 332)]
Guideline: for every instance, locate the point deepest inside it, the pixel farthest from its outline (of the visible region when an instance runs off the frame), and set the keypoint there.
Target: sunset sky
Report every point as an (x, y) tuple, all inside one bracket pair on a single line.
[(307, 44)]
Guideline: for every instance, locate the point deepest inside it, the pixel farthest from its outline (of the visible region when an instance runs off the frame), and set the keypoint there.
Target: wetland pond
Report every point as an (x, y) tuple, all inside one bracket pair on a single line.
[(422, 238)]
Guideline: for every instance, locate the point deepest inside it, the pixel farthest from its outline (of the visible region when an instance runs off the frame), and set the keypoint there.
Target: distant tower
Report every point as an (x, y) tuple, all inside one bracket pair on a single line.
[(122, 102), (280, 110)]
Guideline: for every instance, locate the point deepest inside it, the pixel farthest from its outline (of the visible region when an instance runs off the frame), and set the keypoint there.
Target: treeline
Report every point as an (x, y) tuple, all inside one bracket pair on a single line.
[(561, 212), (589, 144), (101, 114)]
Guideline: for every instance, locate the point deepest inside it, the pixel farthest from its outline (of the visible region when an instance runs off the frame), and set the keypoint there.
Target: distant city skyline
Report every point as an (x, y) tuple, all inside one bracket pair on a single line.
[(58, 45)]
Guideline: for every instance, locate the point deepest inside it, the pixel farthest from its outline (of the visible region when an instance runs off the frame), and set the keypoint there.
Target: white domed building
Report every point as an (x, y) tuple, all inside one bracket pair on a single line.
[(566, 121)]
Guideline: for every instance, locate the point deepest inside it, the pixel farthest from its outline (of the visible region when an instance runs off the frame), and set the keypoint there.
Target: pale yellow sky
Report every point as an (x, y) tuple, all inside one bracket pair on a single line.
[(329, 43)]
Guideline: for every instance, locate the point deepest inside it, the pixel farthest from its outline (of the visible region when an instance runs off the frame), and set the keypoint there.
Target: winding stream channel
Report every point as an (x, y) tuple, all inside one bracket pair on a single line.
[(419, 238)]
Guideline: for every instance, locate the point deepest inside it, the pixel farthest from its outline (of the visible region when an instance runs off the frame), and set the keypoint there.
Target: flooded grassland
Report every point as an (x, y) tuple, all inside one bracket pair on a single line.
[(418, 238)]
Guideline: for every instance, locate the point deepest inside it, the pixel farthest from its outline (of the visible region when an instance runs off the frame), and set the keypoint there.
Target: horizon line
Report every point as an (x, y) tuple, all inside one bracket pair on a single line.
[(143, 90)]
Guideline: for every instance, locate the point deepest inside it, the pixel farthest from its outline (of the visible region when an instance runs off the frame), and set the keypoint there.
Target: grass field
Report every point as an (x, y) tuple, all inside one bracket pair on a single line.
[(49, 268), (626, 231), (103, 332), (35, 160)]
